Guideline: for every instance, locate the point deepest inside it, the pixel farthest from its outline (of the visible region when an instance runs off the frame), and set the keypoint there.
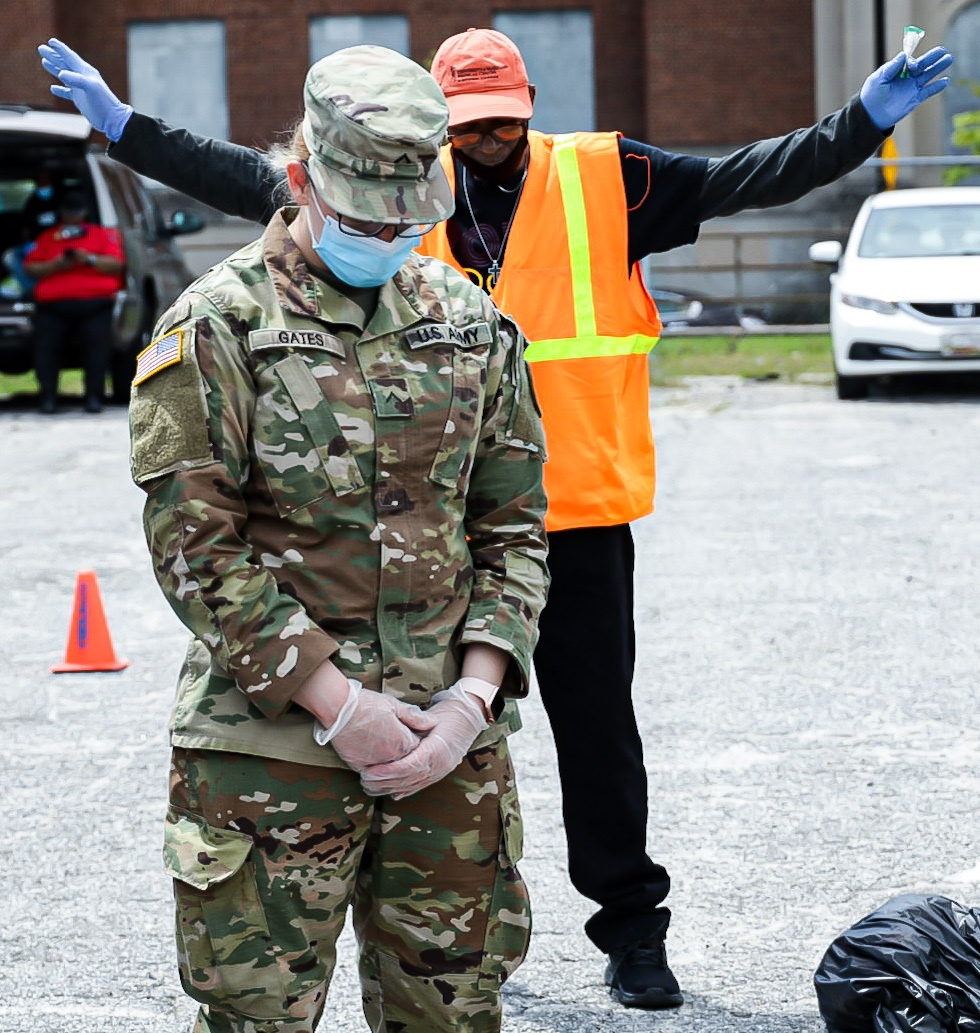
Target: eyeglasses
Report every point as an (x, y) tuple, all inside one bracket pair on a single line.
[(502, 134), (361, 228), (355, 227)]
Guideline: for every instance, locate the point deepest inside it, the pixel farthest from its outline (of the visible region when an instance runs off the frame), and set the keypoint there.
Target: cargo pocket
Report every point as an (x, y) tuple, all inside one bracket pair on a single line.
[(302, 450), (225, 953), (509, 924), (459, 437)]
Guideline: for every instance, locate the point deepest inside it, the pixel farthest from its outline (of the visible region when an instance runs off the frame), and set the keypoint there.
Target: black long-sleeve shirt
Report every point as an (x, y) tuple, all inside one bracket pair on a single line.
[(668, 195)]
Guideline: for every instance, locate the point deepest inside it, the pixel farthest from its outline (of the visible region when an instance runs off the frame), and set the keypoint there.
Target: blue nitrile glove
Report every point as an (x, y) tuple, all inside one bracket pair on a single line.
[(888, 97), (84, 86)]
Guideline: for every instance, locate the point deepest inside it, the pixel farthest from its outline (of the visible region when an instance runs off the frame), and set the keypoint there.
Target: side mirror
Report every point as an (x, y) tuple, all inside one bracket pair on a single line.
[(182, 222), (826, 252)]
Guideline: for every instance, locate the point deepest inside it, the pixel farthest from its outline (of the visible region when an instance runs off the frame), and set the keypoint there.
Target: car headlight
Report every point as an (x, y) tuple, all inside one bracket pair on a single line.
[(883, 308)]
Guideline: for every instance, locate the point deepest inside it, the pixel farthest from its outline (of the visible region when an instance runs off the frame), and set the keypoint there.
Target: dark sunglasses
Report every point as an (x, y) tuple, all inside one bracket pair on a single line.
[(502, 134)]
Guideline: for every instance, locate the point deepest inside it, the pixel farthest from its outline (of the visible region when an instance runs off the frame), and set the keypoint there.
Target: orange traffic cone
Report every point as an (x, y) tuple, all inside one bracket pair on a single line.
[(89, 644)]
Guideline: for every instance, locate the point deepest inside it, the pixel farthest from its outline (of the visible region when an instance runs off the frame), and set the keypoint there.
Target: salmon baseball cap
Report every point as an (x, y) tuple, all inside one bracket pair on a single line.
[(482, 74)]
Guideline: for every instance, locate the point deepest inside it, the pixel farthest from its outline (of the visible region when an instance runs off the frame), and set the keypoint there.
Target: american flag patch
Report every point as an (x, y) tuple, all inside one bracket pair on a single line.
[(163, 352)]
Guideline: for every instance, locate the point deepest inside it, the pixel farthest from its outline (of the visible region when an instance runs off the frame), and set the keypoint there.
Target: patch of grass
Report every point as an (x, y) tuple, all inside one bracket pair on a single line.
[(70, 384), (756, 356)]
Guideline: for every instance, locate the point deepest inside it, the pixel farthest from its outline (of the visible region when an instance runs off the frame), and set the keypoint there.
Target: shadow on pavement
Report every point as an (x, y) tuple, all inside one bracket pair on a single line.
[(927, 387), (525, 1009), (29, 403)]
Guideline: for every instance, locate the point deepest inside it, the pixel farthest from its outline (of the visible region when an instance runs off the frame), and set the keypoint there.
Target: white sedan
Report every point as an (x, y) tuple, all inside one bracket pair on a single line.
[(905, 296)]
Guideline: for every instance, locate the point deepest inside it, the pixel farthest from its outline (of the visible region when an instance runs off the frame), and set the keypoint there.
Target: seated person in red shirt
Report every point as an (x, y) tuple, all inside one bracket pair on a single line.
[(78, 268)]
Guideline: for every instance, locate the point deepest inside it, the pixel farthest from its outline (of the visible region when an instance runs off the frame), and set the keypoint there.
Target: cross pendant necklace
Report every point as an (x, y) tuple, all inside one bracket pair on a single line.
[(494, 270)]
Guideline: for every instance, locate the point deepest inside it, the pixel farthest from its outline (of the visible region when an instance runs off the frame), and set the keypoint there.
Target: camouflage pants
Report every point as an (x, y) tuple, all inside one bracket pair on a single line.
[(267, 856)]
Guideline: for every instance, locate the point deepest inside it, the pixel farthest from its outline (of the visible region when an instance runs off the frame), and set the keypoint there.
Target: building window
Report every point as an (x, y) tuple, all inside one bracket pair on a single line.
[(334, 32), (557, 49), (177, 73)]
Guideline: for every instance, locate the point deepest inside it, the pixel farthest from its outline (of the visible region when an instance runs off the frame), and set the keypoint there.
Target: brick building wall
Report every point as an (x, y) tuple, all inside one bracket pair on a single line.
[(727, 73), (695, 76), (24, 24)]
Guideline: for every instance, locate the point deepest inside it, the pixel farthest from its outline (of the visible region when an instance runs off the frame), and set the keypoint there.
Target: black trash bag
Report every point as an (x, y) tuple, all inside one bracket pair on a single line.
[(912, 966)]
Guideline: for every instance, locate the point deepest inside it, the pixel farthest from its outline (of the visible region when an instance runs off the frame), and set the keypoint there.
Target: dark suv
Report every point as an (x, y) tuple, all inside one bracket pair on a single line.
[(43, 154)]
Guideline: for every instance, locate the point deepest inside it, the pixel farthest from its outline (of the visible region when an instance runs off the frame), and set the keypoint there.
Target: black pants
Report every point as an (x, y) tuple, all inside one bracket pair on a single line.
[(86, 323), (584, 665)]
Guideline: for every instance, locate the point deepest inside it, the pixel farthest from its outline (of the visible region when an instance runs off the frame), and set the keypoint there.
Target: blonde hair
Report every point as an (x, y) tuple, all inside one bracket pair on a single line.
[(292, 149)]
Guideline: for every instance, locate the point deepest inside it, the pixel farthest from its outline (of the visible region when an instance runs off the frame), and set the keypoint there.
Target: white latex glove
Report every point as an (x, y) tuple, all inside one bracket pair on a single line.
[(372, 728), (459, 718)]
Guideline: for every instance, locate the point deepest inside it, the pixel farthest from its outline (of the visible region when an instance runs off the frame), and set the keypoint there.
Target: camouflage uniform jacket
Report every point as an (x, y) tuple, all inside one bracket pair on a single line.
[(318, 488)]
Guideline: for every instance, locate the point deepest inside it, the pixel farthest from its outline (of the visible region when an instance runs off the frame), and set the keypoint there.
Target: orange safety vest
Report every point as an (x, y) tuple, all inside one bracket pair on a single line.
[(590, 322)]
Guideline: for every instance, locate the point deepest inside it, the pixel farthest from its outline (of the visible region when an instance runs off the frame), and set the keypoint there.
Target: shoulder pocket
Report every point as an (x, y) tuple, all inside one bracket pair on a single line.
[(524, 428), (168, 414)]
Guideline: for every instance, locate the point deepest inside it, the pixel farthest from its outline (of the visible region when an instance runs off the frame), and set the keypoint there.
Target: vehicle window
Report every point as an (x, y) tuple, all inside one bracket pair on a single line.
[(138, 207), (25, 210), (15, 193), (921, 231), (128, 210), (153, 216)]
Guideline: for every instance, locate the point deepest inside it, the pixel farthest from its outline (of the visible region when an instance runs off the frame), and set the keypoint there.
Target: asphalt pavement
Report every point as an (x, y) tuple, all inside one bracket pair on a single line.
[(806, 691)]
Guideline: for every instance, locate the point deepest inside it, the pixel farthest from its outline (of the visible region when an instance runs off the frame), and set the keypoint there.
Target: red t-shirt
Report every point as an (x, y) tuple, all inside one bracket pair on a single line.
[(80, 281)]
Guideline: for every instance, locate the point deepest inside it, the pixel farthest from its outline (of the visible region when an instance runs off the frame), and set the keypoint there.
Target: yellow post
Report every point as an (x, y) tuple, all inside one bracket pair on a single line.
[(889, 171)]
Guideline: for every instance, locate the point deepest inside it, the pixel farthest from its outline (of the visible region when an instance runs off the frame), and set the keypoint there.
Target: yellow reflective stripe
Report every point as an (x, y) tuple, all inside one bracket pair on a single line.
[(573, 199), (587, 343), (594, 347)]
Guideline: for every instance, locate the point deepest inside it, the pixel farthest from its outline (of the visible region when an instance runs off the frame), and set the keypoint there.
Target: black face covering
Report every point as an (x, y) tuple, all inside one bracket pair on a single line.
[(499, 175)]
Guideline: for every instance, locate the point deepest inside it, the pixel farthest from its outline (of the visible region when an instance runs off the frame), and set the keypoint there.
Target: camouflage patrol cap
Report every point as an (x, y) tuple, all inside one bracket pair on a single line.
[(374, 123)]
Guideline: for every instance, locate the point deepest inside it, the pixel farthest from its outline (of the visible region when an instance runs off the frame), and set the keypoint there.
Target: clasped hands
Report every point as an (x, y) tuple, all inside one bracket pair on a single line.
[(396, 748)]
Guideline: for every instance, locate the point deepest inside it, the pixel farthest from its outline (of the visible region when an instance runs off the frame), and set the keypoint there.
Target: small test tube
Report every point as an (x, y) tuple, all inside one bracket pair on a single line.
[(910, 40)]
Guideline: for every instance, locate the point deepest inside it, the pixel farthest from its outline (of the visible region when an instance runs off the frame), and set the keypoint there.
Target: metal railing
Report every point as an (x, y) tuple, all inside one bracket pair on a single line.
[(761, 270), (766, 268)]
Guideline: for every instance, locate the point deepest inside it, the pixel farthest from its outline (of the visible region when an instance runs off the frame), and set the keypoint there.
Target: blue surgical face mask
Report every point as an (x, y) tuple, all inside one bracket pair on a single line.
[(359, 261)]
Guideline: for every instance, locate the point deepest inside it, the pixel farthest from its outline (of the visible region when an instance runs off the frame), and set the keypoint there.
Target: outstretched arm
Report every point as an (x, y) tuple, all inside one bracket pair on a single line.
[(233, 179), (670, 195), (777, 171)]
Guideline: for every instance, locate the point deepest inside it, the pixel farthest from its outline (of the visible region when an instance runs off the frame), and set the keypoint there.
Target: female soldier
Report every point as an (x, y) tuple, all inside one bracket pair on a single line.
[(342, 459)]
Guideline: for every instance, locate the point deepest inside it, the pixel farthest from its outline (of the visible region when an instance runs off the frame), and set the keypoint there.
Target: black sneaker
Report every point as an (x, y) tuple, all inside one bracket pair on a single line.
[(638, 977)]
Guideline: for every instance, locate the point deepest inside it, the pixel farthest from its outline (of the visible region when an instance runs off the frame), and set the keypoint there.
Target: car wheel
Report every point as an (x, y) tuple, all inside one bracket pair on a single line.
[(851, 389)]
